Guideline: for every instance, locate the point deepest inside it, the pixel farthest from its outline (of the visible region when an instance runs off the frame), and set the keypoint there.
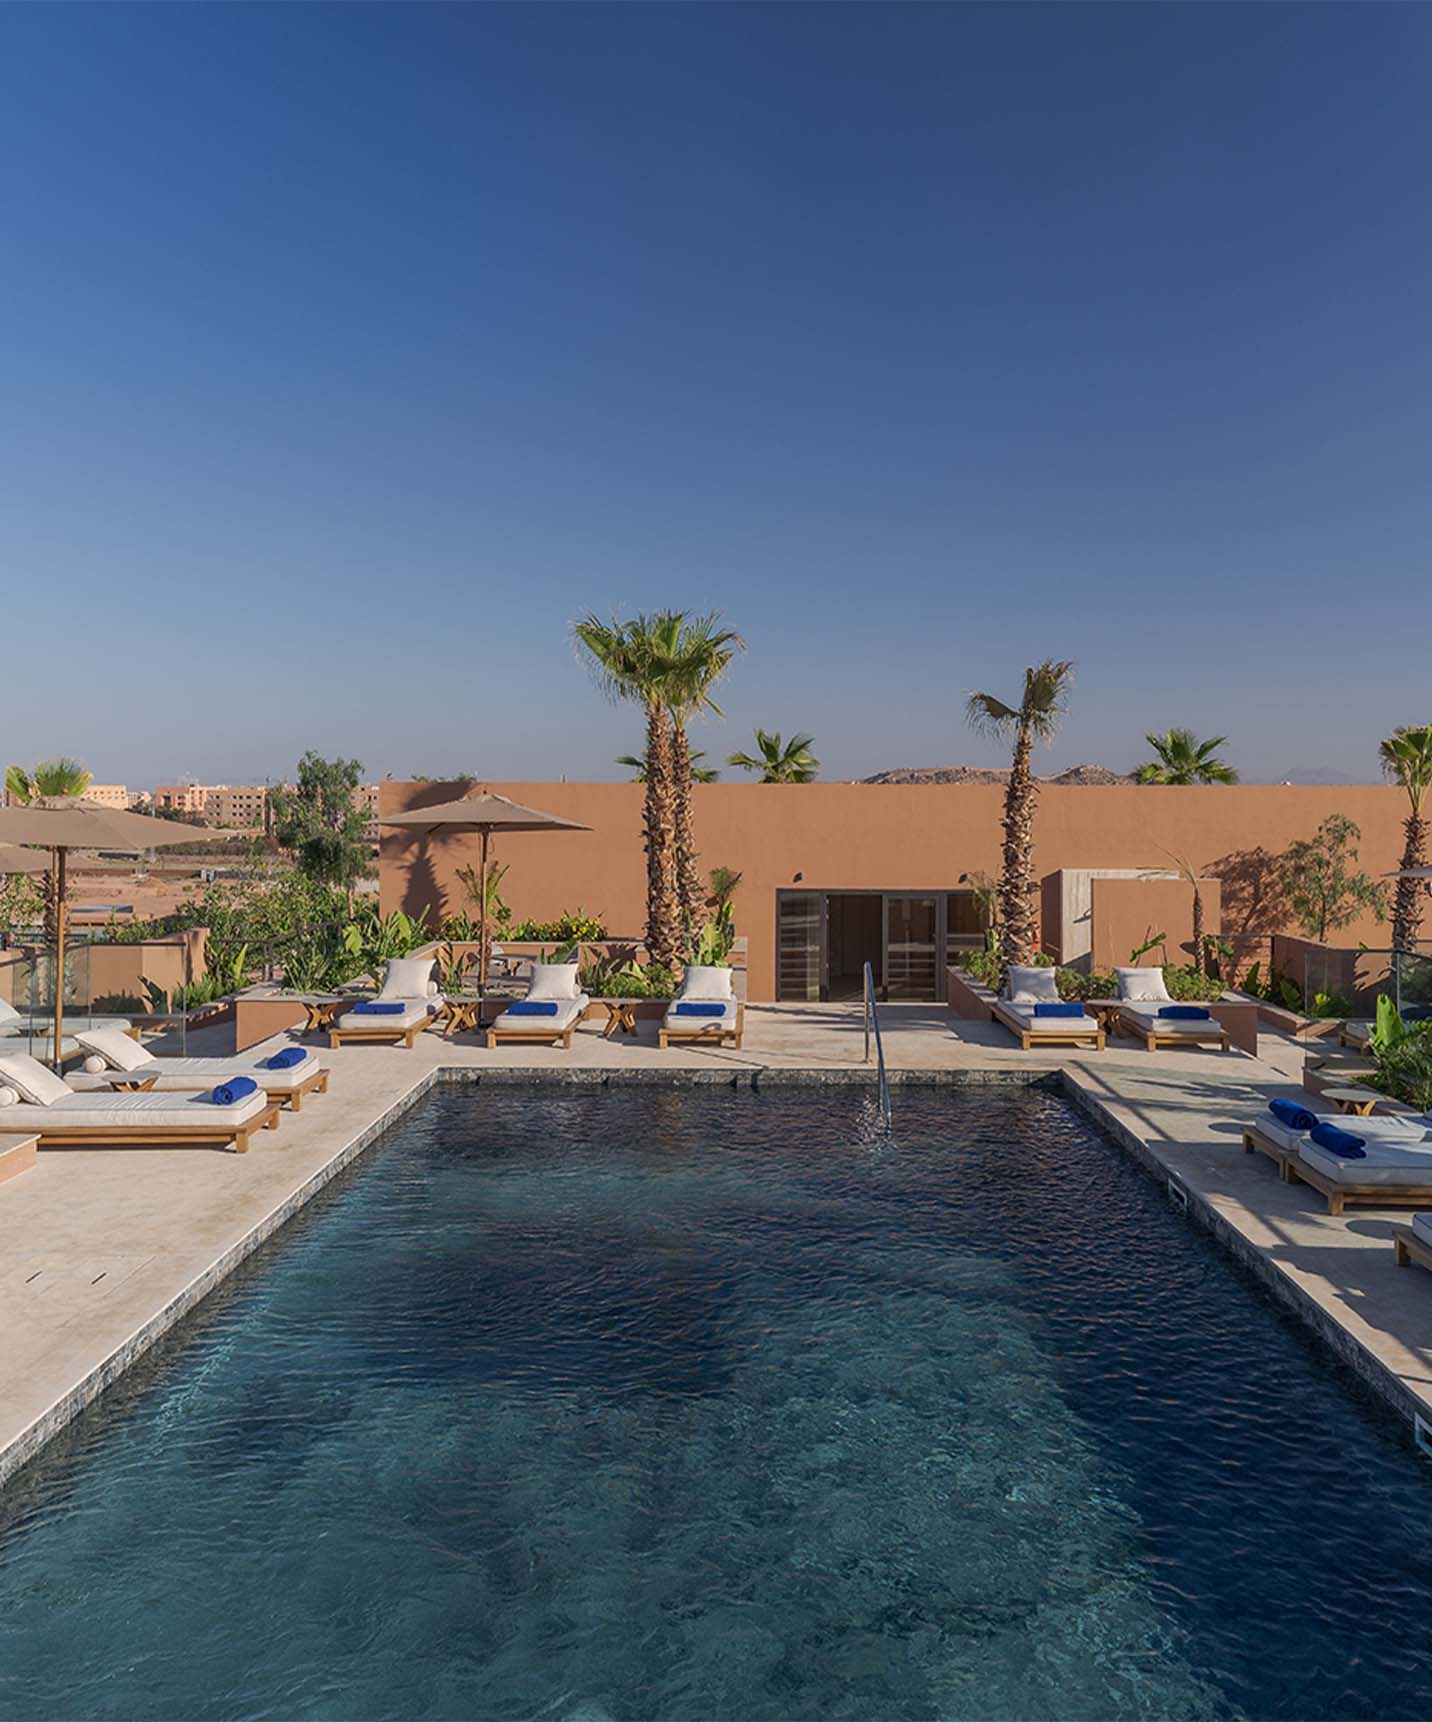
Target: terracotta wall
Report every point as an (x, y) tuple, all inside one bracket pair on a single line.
[(847, 836), (1125, 912)]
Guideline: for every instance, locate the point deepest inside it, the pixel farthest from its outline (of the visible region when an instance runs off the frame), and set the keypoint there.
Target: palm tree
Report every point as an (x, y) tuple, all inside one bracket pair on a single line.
[(778, 760), (699, 773), (51, 777), (632, 661), (1407, 759), (1183, 758), (1035, 718), (701, 651)]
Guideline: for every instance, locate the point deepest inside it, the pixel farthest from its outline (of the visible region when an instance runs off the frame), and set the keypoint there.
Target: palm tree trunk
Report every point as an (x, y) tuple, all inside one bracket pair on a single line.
[(1016, 886), (1200, 959), (1407, 905), (662, 920), (689, 892)]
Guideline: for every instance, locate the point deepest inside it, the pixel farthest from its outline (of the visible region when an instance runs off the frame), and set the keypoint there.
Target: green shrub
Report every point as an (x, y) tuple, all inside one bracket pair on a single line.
[(1405, 1068), (117, 1004), (572, 924), (612, 980)]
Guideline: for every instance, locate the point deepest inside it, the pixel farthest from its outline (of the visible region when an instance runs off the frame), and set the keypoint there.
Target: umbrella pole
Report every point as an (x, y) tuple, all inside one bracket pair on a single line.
[(482, 933), (59, 877)]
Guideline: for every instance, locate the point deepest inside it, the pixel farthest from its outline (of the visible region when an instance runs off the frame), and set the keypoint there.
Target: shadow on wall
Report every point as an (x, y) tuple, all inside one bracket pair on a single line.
[(1254, 907), (421, 890)]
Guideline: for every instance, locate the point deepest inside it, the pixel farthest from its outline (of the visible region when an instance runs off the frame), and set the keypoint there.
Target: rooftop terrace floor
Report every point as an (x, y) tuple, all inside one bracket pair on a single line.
[(101, 1251)]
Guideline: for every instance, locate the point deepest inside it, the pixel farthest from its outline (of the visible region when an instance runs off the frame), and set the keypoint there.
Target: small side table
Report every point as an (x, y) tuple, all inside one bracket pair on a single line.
[(621, 1016), (1359, 1101), (460, 1015), (1107, 1011), (321, 1012)]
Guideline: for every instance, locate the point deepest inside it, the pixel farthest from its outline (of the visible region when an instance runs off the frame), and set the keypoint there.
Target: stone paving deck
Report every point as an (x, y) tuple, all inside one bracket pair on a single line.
[(102, 1250)]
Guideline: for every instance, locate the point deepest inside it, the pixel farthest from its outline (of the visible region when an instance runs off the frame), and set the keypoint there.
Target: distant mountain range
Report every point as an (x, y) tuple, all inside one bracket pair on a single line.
[(1096, 774), (1313, 777)]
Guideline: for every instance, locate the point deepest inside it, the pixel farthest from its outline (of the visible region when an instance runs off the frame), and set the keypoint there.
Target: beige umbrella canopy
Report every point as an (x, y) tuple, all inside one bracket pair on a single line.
[(485, 814), (60, 823), (13, 860)]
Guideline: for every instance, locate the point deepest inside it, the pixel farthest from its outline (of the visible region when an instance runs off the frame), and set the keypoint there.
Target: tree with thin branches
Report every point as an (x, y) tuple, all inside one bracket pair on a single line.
[(778, 760), (1034, 719), (1407, 759), (1181, 758)]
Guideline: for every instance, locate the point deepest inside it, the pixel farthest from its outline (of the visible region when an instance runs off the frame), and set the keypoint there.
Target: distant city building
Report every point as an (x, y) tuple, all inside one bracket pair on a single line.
[(244, 806), (108, 794)]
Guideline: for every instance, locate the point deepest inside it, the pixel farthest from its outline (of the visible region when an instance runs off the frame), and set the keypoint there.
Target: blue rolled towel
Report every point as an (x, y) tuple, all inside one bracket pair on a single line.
[(695, 1008), (533, 1007), (285, 1060), (1289, 1112), (1184, 1013), (1340, 1142), (379, 1007), (232, 1091), (1059, 1010)]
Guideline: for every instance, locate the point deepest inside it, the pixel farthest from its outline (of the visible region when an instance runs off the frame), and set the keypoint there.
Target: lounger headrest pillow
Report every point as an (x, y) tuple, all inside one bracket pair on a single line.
[(407, 978), (1142, 986), (553, 981), (8, 1013), (706, 982), (93, 1065), (8, 1097), (31, 1081), (115, 1048), (1033, 986)]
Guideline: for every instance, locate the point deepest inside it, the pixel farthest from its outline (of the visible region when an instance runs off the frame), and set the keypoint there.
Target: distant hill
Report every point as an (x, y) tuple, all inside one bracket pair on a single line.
[(1076, 774)]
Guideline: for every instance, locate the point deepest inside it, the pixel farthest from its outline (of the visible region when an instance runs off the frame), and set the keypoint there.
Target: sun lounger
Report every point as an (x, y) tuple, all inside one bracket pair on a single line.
[(706, 1011), (1394, 1168), (407, 983), (519, 1028), (1414, 1243), (1140, 1018), (127, 1065), (1357, 1035), (1032, 1030), (63, 1119)]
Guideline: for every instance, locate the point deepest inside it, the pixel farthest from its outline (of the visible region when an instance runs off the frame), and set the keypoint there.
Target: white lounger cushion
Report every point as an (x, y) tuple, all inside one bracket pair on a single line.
[(181, 1073), (1397, 1154), (679, 1020), (1146, 1017), (30, 1079), (407, 978), (1276, 1131), (553, 981), (706, 984), (1032, 985), (1025, 1017), (414, 1010), (568, 1011), (118, 1050), (136, 1112), (1422, 1225)]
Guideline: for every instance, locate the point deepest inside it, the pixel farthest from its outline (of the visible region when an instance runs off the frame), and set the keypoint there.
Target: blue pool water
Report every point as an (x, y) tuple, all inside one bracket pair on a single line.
[(672, 1404)]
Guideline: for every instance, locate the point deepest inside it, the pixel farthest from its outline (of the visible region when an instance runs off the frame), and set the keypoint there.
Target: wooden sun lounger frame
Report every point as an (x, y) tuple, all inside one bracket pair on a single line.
[(141, 1082), (1411, 1248), (175, 1136), (533, 1036), (1077, 1033), (710, 1034), (1215, 1035), (1293, 1169), (382, 1033), (1355, 1036)]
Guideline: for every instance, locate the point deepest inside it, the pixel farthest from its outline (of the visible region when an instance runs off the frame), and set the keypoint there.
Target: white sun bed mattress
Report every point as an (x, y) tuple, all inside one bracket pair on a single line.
[(414, 1010), (1024, 1015), (726, 1020), (179, 1073), (568, 1012), (1146, 1017), (1276, 1131), (1391, 1160), (134, 1112)]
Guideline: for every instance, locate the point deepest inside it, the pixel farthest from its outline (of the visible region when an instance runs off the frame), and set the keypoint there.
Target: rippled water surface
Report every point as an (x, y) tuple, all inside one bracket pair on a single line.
[(647, 1404)]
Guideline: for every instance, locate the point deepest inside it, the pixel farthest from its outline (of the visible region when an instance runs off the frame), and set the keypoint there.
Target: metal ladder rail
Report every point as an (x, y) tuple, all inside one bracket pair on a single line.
[(872, 1020)]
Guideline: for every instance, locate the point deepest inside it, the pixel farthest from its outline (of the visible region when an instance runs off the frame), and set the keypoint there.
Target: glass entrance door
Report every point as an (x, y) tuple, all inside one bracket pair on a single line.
[(911, 943)]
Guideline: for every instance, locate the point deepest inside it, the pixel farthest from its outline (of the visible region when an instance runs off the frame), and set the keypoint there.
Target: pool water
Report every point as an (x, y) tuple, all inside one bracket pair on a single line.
[(667, 1403)]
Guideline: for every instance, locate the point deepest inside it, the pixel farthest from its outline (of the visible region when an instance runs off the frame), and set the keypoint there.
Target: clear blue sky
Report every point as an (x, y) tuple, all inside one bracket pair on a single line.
[(350, 352)]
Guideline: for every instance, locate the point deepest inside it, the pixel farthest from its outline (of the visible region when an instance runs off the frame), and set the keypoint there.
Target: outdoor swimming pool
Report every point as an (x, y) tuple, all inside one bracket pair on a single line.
[(657, 1403)]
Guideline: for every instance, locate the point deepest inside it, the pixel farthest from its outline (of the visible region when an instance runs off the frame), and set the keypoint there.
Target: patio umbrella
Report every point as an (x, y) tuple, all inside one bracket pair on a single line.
[(485, 814), (60, 823), (13, 860)]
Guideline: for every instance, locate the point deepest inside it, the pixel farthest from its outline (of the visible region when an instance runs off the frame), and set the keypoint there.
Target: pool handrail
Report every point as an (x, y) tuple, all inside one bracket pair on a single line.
[(872, 1020)]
